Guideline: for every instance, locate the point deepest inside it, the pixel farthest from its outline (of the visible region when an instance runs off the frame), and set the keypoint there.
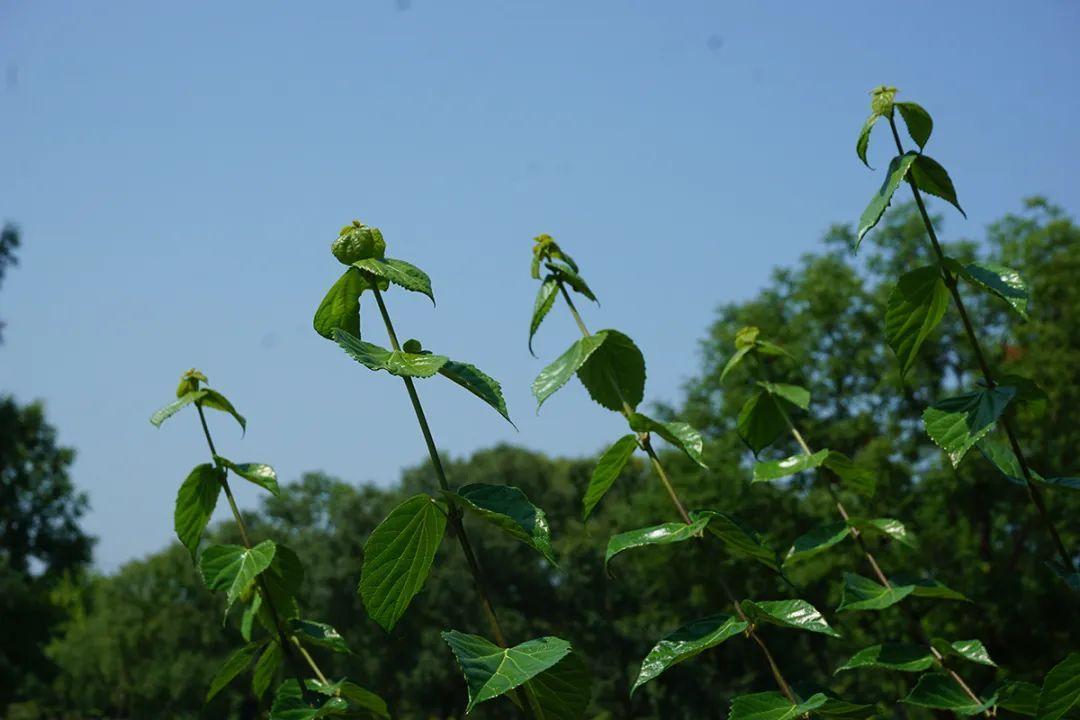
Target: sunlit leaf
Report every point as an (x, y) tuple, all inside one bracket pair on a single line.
[(555, 375), (686, 642), (195, 503), (507, 508), (794, 614), (916, 306), (607, 470), (957, 423), (898, 169), (491, 671), (398, 272)]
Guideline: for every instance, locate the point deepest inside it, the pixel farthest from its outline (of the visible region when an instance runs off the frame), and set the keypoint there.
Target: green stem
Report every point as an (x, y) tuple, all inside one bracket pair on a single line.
[(916, 621), (951, 283), (455, 514), (263, 589), (646, 445)]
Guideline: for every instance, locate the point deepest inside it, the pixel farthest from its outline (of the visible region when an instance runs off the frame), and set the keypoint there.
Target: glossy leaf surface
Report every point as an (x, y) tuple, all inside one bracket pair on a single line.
[(776, 469), (555, 375), (681, 435), (794, 614), (395, 362), (663, 534), (891, 656), (399, 272), (686, 642), (957, 423), (930, 177), (491, 671), (233, 568), (507, 508), (896, 173), (478, 383), (862, 593)]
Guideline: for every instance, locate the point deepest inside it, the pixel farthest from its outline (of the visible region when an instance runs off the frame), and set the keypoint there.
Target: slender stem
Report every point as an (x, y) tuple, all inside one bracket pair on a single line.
[(973, 340), (646, 444), (916, 621), (263, 589)]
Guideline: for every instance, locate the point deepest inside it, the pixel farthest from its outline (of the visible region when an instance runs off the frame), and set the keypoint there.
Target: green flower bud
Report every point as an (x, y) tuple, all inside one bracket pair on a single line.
[(412, 345), (358, 242), (881, 100), (189, 382)]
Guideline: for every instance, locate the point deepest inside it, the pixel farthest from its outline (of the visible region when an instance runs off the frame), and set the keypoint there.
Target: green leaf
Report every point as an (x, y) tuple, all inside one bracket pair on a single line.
[(930, 177), (478, 383), (1060, 690), (735, 360), (195, 503), (507, 508), (607, 470), (216, 401), (795, 614), (926, 587), (563, 691), (615, 372), (918, 121), (940, 692), (545, 299), (491, 671), (834, 706), (266, 668), (362, 700), (289, 704), (555, 375), (854, 477), (233, 568), (318, 633), (772, 706), (395, 362), (1019, 697), (794, 394), (341, 306), (916, 306), (761, 421), (957, 423), (892, 656), (570, 276), (233, 666), (398, 556), (398, 272), (663, 534), (862, 593), (777, 469), (258, 473), (863, 143), (247, 620), (898, 169), (679, 434), (971, 650), (888, 526), (737, 538), (816, 540), (1068, 575), (686, 642), (176, 406), (1006, 283)]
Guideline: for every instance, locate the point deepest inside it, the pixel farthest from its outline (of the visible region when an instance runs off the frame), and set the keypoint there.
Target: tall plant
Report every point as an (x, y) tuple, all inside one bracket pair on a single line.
[(544, 677), (919, 301), (765, 418), (263, 577), (612, 369)]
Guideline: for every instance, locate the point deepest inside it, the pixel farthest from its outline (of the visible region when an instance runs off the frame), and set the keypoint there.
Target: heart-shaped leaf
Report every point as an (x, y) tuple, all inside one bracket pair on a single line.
[(233, 568), (957, 423), (614, 374), (195, 503), (794, 614), (491, 671), (916, 306)]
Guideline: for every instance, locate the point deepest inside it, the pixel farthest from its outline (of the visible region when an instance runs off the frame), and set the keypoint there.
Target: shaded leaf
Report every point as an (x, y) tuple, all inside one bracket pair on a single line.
[(568, 273), (234, 665), (739, 540), (607, 470), (317, 633), (898, 169), (507, 508), (760, 421), (957, 423), (918, 121), (363, 701), (940, 692), (853, 476), (216, 401), (399, 272), (777, 469), (545, 299), (863, 143), (562, 692), (686, 642), (926, 587), (266, 668), (195, 503), (893, 656), (1006, 283), (888, 526), (478, 383), (1060, 690), (663, 534), (862, 593), (340, 308), (771, 706), (735, 360), (795, 614), (289, 704), (816, 540), (398, 556), (395, 362), (555, 375), (794, 394), (916, 306), (1019, 697), (680, 434), (491, 671), (615, 372), (930, 177)]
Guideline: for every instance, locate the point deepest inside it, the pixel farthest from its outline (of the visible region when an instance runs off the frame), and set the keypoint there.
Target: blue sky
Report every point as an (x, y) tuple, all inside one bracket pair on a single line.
[(179, 170)]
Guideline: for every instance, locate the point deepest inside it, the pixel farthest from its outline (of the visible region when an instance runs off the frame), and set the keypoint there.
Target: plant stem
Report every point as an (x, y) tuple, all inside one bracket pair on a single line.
[(646, 445), (916, 621), (951, 283), (263, 589)]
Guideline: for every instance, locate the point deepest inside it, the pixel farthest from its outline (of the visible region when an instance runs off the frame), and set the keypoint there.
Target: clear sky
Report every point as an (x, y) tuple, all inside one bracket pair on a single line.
[(179, 169)]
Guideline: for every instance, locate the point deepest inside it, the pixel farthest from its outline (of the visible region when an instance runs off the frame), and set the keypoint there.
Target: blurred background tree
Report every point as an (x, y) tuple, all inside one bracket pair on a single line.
[(138, 644)]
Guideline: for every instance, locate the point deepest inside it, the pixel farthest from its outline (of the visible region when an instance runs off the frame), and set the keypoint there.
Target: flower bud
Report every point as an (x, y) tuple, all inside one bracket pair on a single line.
[(358, 242)]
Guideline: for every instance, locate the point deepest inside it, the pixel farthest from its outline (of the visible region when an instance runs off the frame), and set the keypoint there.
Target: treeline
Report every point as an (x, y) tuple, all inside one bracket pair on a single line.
[(136, 643)]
